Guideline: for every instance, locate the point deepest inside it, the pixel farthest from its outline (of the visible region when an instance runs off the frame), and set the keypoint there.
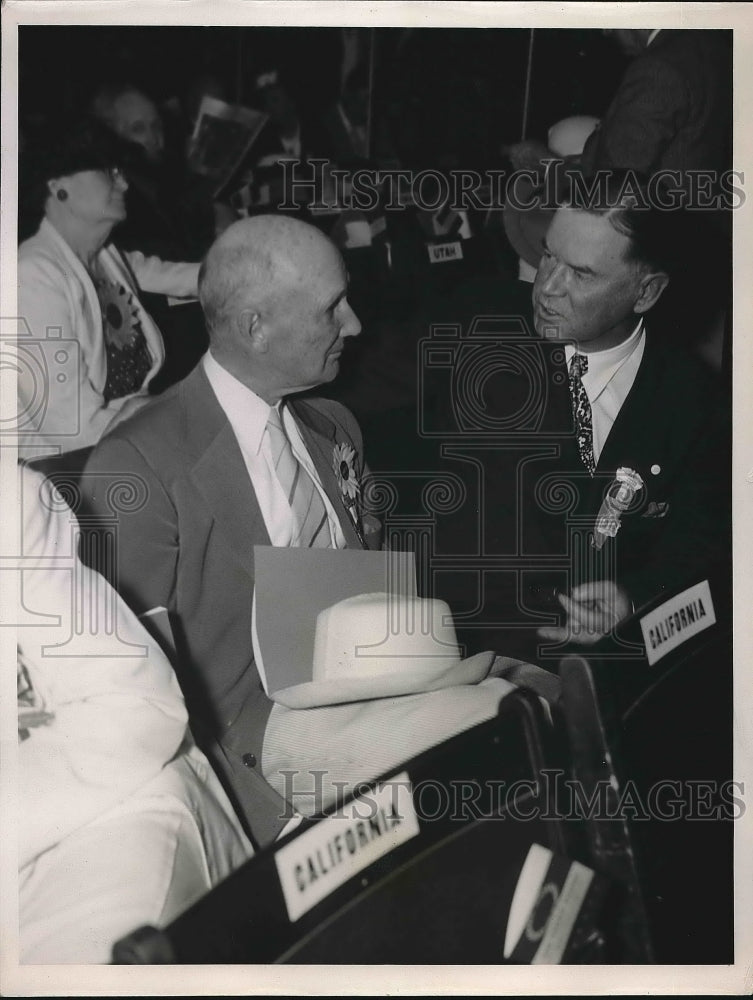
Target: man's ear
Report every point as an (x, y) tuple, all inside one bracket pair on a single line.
[(251, 328), (652, 286)]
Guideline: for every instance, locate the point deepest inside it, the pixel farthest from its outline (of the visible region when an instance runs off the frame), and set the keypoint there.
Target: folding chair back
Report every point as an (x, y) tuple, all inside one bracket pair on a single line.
[(651, 749), (434, 886)]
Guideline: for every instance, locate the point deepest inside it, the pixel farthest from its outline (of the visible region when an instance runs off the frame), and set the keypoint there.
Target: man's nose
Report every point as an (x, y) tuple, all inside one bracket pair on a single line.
[(121, 182), (351, 325), (551, 278)]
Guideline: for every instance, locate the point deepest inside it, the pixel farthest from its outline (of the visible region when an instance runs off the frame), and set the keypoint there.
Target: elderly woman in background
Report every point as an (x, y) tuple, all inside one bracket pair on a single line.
[(87, 348)]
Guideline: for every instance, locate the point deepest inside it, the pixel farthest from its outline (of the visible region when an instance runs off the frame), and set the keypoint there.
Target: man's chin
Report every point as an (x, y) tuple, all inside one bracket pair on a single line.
[(549, 329)]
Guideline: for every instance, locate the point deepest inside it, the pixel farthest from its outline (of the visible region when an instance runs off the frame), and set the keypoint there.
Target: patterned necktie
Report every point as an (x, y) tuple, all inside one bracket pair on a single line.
[(311, 525), (582, 411)]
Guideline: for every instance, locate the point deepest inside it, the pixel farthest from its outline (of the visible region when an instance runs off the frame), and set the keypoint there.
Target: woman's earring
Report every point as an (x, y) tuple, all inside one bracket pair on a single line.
[(61, 194)]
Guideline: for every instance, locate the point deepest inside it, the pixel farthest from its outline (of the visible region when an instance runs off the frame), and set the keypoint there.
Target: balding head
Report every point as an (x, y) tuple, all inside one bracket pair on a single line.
[(251, 264), (273, 290)]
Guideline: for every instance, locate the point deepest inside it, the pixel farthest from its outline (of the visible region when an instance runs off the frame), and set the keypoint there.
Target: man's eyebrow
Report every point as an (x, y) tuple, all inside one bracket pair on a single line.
[(580, 268), (336, 300), (583, 269)]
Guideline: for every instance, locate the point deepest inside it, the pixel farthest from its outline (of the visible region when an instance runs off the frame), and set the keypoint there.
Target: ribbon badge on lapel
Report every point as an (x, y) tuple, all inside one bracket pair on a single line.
[(617, 500), (343, 462)]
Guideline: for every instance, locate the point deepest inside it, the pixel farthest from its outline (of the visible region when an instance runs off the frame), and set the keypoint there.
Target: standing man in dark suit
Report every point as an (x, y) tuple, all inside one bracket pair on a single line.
[(672, 110), (671, 118), (274, 294)]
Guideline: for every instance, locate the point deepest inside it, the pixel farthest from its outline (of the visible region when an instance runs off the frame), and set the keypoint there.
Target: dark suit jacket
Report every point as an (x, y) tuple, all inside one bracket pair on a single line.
[(189, 547), (530, 508), (672, 110), (673, 430)]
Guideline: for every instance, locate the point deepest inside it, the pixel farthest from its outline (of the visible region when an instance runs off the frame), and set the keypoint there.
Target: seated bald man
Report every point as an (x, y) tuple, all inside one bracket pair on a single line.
[(274, 293)]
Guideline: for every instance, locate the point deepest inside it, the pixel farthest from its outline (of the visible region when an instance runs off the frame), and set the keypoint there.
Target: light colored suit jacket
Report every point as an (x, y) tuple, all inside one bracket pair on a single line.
[(63, 359), (185, 541)]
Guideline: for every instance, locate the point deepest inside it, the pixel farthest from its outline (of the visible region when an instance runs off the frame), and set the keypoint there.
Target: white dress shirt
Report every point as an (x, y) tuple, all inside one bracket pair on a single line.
[(248, 415), (607, 382)]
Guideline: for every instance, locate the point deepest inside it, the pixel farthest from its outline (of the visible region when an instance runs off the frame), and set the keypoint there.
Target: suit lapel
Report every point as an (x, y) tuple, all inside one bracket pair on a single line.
[(641, 438), (320, 437), (220, 475), (219, 472), (633, 437)]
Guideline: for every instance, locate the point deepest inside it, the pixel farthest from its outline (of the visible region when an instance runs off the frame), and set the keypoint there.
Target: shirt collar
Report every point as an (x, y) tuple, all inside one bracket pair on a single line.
[(612, 355), (652, 36), (247, 412), (602, 365)]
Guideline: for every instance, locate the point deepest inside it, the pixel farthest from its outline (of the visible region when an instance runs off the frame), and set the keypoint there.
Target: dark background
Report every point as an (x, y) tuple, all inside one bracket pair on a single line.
[(455, 94), (444, 98)]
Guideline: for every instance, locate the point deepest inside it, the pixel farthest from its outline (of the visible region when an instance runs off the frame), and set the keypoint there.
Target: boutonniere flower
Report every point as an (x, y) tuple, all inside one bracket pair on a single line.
[(343, 459), (343, 462), (617, 500)]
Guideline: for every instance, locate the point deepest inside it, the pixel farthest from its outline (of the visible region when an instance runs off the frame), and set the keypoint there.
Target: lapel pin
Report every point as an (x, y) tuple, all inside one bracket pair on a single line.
[(655, 470)]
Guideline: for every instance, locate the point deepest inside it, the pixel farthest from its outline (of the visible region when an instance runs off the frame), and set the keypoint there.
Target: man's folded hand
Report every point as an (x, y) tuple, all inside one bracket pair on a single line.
[(593, 610)]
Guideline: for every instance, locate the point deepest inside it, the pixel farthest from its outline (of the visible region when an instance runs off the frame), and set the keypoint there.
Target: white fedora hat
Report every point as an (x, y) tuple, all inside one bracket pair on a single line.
[(568, 136), (383, 645)]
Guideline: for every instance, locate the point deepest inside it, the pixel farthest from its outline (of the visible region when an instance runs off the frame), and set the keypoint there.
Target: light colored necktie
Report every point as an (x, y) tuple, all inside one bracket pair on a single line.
[(311, 524), (582, 411)]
